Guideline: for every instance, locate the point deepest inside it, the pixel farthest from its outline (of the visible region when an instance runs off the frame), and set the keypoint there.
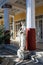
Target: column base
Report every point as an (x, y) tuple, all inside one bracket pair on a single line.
[(7, 37), (30, 39)]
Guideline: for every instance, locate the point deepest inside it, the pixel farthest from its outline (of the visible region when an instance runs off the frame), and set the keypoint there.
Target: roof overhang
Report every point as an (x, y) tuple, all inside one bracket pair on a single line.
[(17, 5)]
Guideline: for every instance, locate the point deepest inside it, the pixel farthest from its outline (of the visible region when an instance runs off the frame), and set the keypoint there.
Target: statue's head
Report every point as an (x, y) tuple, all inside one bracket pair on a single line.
[(21, 24)]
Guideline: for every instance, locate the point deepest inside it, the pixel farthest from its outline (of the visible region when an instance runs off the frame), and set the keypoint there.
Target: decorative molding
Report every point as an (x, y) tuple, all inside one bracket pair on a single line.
[(7, 6)]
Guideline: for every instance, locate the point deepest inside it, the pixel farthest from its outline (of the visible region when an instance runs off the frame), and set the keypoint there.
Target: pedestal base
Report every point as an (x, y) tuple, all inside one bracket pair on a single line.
[(7, 37), (23, 54), (30, 39)]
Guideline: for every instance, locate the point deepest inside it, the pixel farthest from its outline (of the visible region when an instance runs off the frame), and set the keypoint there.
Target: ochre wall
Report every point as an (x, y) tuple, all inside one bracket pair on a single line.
[(1, 22), (20, 16), (39, 10)]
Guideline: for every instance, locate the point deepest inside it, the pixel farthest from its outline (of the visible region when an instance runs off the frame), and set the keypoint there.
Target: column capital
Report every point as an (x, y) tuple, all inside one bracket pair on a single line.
[(7, 6)]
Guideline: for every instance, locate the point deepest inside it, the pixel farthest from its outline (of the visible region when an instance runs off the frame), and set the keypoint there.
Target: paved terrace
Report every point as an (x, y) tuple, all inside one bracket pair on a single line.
[(13, 60), (10, 52)]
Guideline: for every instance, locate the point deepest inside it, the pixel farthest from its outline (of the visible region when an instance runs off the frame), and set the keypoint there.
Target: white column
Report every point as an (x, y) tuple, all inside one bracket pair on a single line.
[(6, 26), (6, 19), (30, 25), (30, 19)]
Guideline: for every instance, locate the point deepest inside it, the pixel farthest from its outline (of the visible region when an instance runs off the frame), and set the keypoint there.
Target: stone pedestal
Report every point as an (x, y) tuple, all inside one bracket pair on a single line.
[(7, 37), (23, 54)]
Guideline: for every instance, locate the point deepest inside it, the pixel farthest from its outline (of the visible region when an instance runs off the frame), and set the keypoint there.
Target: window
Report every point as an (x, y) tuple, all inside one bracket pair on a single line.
[(39, 28)]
